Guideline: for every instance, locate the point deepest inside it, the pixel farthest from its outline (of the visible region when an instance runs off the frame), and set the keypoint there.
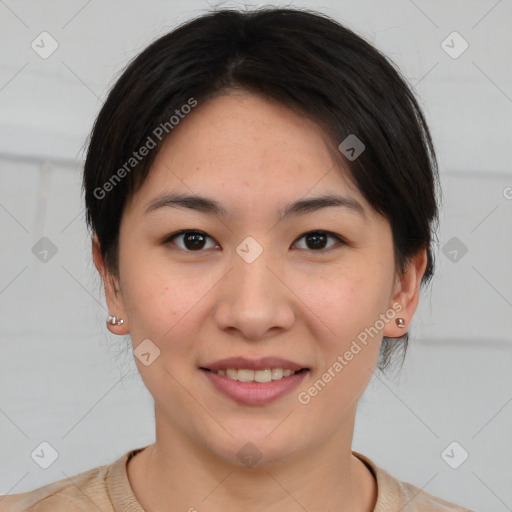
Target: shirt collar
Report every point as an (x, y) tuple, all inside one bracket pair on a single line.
[(124, 500)]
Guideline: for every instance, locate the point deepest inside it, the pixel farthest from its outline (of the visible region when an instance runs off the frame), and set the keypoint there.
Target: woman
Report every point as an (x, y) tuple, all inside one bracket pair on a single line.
[(261, 191)]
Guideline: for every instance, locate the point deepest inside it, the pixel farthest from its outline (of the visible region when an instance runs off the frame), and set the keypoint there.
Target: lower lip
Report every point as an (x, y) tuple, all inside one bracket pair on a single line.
[(254, 393)]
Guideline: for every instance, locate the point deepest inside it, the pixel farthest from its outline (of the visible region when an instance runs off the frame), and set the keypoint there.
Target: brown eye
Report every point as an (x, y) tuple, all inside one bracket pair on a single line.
[(192, 241), (317, 240)]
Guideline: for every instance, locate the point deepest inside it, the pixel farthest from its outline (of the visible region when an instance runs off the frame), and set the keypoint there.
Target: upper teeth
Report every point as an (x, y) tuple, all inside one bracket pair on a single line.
[(246, 375)]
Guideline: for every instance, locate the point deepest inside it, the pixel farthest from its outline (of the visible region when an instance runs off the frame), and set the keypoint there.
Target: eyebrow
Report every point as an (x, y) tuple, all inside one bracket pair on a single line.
[(211, 207)]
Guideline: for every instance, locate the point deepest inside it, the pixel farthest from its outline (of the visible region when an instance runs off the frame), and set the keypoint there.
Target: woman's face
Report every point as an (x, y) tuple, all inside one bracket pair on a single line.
[(254, 285)]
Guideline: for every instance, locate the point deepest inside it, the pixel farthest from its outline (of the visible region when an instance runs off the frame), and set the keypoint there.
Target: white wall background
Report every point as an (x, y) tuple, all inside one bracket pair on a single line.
[(63, 376)]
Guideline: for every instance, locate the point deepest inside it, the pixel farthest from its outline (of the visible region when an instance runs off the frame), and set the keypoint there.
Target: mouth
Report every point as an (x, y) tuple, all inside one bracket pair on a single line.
[(261, 376), (254, 382)]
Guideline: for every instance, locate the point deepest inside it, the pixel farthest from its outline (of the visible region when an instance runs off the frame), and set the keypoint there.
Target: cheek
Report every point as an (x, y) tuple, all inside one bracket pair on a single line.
[(347, 343), (350, 300), (161, 299)]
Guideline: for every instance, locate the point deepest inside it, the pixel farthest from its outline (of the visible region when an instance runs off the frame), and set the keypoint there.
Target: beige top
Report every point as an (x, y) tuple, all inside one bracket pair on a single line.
[(107, 489)]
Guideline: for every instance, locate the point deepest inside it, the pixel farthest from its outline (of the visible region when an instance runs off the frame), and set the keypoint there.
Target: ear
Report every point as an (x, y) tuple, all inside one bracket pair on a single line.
[(406, 294), (113, 294)]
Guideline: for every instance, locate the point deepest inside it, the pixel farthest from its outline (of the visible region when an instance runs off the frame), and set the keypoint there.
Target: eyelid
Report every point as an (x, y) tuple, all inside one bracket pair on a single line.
[(340, 239)]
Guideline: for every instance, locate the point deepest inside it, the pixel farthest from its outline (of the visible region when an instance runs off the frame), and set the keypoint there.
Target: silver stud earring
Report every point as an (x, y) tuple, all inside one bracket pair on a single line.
[(112, 320), (400, 323)]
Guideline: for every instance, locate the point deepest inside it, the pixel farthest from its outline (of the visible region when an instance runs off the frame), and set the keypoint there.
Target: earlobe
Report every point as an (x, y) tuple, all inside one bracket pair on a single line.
[(406, 295), (116, 320)]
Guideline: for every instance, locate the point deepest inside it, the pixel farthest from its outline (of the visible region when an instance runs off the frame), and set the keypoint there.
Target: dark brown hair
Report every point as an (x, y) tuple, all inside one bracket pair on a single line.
[(301, 58)]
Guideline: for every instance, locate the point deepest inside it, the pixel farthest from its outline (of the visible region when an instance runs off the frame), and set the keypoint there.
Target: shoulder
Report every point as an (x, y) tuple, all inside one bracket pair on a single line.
[(79, 493), (417, 500), (393, 494)]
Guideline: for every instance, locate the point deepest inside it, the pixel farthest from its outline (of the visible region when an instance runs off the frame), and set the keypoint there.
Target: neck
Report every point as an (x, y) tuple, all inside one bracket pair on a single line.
[(176, 474)]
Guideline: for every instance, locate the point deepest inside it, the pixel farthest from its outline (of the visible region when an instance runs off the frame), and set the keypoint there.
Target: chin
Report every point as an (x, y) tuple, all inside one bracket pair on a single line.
[(254, 445)]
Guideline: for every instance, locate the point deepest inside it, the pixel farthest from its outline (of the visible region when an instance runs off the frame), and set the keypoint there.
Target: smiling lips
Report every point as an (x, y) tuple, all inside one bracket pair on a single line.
[(248, 375), (254, 382), (261, 370), (261, 363)]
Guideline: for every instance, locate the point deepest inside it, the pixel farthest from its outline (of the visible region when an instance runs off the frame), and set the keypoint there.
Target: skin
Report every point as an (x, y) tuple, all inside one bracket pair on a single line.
[(199, 305)]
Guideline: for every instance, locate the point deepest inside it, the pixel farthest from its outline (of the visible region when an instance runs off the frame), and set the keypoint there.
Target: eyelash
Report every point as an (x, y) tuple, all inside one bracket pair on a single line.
[(340, 239)]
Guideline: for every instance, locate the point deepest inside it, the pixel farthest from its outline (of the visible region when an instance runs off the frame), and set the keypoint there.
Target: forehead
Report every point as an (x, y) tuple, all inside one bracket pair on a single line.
[(255, 150)]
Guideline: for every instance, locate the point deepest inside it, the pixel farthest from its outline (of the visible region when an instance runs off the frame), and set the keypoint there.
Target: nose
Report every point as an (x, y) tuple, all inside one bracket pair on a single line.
[(254, 300)]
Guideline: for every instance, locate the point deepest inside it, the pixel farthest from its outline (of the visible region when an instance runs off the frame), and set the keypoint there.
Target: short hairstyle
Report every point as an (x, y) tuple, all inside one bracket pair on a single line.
[(304, 60)]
